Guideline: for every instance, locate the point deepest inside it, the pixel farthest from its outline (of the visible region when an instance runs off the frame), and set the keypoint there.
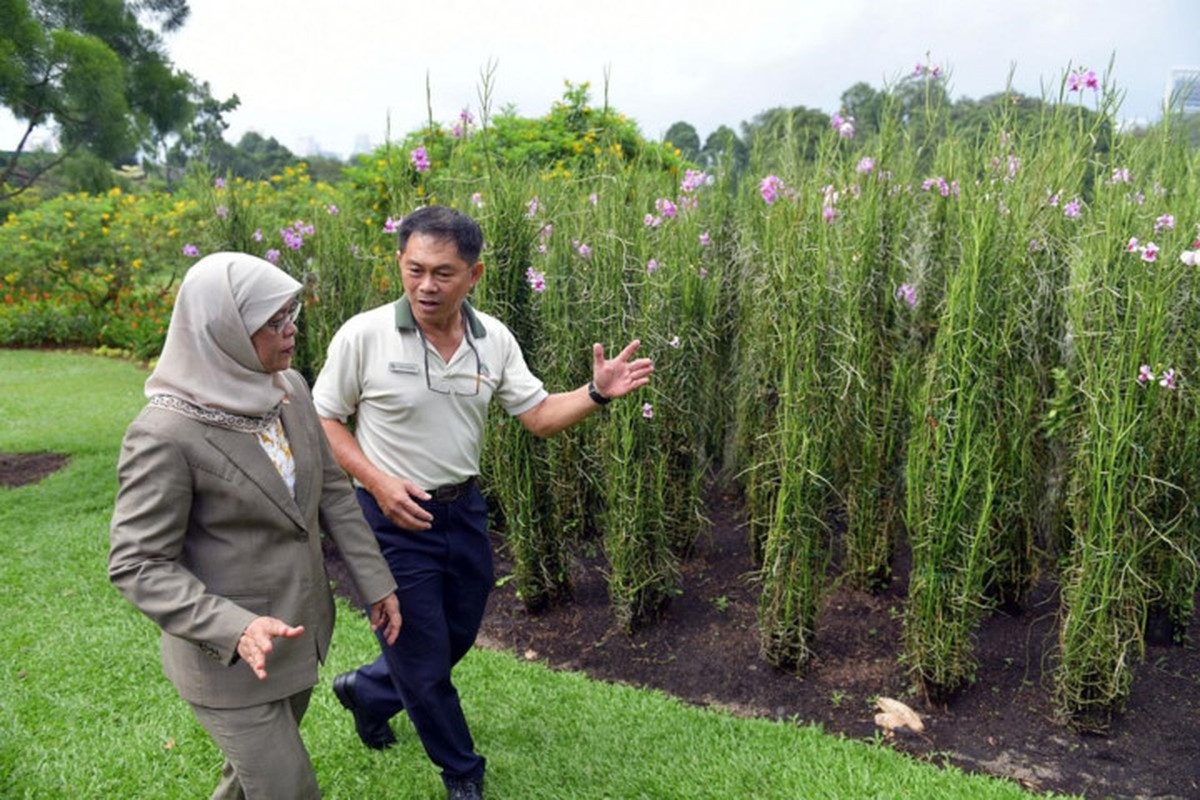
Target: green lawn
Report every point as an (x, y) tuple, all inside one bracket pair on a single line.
[(85, 711)]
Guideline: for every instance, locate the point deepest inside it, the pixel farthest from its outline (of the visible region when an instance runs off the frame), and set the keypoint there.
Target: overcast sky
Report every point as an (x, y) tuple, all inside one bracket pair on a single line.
[(330, 76)]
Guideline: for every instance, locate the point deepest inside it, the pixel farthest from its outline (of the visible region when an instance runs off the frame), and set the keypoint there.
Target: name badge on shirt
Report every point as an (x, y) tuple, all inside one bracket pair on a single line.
[(403, 367)]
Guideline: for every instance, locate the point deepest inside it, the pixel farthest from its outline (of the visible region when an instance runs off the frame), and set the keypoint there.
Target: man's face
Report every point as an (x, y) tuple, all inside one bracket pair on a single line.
[(436, 280)]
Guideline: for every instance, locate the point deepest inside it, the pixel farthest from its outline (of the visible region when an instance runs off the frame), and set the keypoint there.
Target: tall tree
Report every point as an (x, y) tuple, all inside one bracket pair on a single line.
[(803, 127), (723, 147), (684, 136), (202, 138), (866, 105), (922, 101), (254, 157), (93, 73)]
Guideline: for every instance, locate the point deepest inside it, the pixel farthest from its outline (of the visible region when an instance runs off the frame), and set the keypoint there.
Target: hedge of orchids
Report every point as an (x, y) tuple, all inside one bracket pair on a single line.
[(989, 337), (573, 265), (1131, 317)]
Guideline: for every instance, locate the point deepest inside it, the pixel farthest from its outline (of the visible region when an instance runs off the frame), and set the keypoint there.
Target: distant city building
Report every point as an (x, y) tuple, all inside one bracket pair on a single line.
[(1183, 90)]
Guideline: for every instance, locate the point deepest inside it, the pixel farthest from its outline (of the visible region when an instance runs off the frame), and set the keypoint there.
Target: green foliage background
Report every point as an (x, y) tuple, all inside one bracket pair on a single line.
[(923, 334)]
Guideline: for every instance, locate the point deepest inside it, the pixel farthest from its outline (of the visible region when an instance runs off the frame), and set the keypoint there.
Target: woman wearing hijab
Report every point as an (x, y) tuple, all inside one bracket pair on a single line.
[(226, 483)]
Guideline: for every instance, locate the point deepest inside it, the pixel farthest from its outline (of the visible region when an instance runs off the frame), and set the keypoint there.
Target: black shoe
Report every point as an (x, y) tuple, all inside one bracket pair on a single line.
[(375, 734), (464, 789)]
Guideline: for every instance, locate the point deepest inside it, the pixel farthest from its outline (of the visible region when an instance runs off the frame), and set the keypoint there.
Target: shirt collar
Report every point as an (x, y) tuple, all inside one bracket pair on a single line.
[(405, 321)]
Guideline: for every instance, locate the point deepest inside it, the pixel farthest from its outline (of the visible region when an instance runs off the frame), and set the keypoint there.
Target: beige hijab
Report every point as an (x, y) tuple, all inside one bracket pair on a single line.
[(208, 359)]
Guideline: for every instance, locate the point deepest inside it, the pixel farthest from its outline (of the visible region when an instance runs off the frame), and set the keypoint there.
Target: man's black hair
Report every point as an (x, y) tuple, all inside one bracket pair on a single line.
[(444, 223)]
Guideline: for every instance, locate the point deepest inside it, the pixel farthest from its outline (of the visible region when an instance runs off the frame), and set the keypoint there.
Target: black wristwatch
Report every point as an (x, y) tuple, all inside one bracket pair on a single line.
[(597, 398)]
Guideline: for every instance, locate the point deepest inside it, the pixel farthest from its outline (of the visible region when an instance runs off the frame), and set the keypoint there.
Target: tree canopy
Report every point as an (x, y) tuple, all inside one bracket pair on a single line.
[(723, 147), (684, 136), (94, 73), (800, 125), (255, 157)]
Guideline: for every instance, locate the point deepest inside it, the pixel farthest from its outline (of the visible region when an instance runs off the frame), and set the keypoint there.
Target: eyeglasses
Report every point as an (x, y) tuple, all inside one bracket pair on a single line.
[(289, 316), (452, 390)]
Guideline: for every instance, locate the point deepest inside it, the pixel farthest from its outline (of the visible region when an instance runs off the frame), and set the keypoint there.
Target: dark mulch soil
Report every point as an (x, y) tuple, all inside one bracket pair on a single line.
[(704, 650), (20, 469)]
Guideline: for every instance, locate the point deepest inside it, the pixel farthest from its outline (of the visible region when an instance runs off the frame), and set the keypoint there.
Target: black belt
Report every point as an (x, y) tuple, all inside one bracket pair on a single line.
[(451, 493)]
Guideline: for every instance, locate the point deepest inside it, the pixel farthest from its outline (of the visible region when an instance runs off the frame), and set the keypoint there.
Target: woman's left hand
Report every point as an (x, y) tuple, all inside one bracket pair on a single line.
[(256, 641), (386, 614)]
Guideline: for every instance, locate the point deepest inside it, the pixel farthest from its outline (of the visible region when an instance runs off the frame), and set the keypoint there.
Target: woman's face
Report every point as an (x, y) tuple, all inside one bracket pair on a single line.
[(275, 342)]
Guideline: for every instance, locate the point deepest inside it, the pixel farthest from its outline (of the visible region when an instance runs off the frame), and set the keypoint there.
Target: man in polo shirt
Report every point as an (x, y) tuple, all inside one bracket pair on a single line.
[(417, 375)]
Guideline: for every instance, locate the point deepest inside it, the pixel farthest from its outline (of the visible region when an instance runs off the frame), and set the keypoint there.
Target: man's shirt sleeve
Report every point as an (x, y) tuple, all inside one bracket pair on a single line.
[(339, 386), (519, 389)]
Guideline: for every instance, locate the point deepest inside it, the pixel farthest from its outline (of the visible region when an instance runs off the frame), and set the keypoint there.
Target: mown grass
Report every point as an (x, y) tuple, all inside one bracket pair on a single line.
[(85, 711)]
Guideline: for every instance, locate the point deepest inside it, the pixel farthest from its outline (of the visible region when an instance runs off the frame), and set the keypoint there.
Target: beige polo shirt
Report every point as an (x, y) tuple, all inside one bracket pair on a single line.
[(430, 433)]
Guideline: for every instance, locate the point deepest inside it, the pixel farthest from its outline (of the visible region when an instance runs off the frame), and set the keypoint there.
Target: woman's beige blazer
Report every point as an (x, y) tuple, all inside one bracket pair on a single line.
[(205, 537)]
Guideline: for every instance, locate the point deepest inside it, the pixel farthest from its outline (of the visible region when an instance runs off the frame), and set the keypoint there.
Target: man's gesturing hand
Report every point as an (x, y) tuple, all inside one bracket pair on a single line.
[(618, 376)]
